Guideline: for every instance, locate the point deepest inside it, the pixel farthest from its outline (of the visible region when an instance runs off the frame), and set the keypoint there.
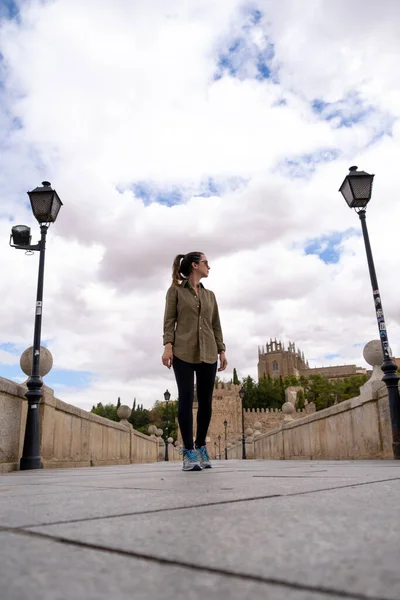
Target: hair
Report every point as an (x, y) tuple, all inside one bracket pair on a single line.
[(182, 266)]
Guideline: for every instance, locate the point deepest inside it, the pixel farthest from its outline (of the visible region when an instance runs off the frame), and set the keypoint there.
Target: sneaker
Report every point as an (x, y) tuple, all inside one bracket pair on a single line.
[(203, 458), (190, 461)]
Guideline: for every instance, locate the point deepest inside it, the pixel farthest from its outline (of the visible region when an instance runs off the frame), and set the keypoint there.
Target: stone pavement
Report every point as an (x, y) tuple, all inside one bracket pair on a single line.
[(287, 530)]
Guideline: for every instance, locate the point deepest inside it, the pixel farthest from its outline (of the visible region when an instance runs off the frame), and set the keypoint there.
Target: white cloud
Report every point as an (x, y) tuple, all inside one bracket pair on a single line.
[(100, 96)]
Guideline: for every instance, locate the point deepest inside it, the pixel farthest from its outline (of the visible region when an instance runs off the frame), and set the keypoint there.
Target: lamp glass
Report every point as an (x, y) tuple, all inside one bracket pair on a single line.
[(167, 396), (45, 203), (362, 187), (346, 192), (356, 188)]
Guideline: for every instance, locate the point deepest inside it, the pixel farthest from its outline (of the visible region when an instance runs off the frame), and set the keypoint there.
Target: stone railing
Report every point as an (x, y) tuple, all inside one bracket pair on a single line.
[(358, 428), (69, 436)]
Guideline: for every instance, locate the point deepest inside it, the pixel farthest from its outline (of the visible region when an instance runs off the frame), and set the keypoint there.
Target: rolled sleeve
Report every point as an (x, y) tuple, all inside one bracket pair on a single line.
[(170, 316)]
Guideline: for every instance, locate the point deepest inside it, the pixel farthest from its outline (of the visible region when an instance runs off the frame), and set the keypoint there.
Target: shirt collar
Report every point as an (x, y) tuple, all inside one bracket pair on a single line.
[(186, 283)]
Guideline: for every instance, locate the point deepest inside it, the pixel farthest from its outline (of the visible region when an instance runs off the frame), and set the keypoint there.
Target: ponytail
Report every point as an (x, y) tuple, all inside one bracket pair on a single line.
[(176, 275), (182, 266)]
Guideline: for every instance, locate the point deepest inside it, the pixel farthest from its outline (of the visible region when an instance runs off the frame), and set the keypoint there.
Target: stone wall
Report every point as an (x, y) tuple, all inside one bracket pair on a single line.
[(354, 429), (69, 436), (227, 405), (13, 410)]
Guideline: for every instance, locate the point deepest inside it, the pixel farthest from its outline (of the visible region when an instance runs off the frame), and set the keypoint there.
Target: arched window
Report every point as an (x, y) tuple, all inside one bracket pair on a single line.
[(275, 366)]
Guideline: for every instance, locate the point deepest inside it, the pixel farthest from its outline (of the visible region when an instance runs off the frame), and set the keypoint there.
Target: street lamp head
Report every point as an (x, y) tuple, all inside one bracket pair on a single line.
[(225, 423), (45, 203), (356, 188), (20, 235), (242, 392), (167, 396)]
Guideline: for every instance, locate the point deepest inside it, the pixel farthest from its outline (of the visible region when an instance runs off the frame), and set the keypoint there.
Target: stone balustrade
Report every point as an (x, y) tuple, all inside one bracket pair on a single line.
[(69, 436)]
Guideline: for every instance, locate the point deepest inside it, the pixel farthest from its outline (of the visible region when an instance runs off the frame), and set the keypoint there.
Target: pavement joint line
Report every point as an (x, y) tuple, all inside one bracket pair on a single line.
[(83, 489), (195, 566), (204, 505), (298, 477)]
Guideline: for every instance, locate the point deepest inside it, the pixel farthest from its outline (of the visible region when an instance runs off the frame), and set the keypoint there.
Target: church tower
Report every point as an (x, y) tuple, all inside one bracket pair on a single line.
[(275, 360)]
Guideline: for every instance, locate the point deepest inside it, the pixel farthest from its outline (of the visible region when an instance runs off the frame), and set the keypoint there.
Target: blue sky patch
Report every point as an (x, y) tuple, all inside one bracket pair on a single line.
[(12, 348), (304, 165), (239, 56), (55, 379), (331, 356), (8, 9), (150, 193), (172, 194), (350, 111), (327, 247), (67, 378)]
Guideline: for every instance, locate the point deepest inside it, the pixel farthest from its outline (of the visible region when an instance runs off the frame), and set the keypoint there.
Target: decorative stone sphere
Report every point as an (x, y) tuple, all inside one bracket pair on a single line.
[(45, 364), (152, 429), (170, 440), (176, 443), (257, 425), (124, 411), (159, 432), (373, 354), (248, 432), (288, 408)]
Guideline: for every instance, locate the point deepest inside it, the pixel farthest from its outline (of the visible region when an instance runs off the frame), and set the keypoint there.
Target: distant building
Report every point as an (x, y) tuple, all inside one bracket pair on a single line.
[(275, 360)]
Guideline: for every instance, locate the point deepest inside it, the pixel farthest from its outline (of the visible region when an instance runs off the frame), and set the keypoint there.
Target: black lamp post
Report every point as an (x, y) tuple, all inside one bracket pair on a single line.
[(46, 205), (226, 447), (356, 190), (215, 450), (241, 394), (219, 447), (167, 396)]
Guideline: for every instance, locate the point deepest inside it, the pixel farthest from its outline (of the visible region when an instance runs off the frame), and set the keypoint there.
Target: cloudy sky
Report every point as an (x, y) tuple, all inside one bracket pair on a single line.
[(178, 125)]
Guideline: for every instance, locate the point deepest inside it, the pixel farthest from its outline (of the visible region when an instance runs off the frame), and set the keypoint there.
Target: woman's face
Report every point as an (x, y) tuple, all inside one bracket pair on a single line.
[(203, 266)]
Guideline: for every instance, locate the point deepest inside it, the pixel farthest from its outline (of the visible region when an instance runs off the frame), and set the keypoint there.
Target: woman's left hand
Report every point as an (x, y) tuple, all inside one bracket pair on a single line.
[(223, 363)]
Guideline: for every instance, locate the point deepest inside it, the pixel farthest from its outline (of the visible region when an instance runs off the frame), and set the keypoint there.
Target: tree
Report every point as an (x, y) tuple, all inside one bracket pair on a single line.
[(139, 417), (300, 404), (157, 417), (109, 411), (235, 378)]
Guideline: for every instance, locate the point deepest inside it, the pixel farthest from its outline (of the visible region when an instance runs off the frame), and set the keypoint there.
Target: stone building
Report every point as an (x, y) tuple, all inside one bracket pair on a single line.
[(275, 360), (227, 405)]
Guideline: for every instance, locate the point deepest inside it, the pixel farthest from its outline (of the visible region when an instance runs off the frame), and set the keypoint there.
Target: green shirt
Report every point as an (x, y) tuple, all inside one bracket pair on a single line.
[(192, 325)]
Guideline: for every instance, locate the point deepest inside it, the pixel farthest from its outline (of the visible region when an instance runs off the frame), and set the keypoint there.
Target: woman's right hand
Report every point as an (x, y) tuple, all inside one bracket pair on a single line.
[(167, 356)]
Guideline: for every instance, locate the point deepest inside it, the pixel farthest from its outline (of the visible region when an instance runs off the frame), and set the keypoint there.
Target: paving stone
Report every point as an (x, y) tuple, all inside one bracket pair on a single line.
[(35, 497), (342, 539), (37, 569)]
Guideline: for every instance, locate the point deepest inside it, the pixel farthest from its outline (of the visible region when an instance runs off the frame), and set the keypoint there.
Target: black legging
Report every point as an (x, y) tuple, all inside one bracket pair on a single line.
[(205, 379)]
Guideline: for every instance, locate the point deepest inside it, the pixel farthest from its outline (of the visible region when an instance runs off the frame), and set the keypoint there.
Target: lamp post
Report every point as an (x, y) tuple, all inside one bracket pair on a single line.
[(167, 396), (46, 205), (356, 190), (226, 447), (219, 447), (215, 450), (242, 394)]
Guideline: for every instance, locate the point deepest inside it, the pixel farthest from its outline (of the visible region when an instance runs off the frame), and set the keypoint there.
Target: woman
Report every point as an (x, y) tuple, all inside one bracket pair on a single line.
[(192, 342)]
